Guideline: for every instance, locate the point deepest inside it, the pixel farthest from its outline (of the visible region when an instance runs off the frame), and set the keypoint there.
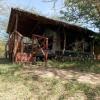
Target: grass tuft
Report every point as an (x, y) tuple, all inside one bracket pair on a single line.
[(86, 66), (73, 87)]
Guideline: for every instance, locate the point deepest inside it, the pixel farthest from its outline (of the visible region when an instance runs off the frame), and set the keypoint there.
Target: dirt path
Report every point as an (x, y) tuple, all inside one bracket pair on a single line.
[(82, 77)]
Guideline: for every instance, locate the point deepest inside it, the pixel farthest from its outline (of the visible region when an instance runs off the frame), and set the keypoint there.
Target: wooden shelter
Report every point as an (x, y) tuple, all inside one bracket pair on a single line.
[(54, 35)]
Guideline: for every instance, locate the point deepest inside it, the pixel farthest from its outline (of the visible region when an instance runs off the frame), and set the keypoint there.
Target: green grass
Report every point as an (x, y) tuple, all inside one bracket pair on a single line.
[(32, 86), (7, 70), (83, 66), (74, 86)]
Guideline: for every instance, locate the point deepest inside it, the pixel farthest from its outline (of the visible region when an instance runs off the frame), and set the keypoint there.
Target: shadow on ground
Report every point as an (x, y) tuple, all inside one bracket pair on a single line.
[(4, 61), (51, 79), (80, 66), (57, 81)]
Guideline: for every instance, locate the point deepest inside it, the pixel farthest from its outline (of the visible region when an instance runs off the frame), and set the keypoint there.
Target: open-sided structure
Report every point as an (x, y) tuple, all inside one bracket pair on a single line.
[(54, 36)]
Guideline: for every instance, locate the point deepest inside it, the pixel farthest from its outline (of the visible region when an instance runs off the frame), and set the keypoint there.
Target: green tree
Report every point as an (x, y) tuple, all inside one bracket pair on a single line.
[(85, 12)]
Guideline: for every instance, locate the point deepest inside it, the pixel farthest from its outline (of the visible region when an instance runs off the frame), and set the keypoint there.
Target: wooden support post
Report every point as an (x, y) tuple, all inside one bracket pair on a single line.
[(64, 48), (22, 45), (10, 46), (83, 43), (17, 41), (14, 33), (46, 52)]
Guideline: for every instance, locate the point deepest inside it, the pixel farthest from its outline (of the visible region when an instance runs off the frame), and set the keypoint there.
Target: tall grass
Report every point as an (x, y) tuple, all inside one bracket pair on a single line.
[(82, 66), (2, 49), (74, 86)]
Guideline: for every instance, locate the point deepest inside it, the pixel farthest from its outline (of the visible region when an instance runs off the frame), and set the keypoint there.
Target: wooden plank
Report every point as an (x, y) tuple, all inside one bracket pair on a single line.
[(38, 36), (17, 41), (64, 48)]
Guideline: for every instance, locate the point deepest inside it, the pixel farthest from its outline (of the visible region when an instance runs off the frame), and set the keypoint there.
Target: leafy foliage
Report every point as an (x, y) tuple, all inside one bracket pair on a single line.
[(82, 10), (82, 66)]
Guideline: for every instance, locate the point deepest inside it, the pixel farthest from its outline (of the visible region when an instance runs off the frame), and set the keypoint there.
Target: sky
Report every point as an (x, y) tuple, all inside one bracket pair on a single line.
[(38, 5), (46, 8), (43, 8)]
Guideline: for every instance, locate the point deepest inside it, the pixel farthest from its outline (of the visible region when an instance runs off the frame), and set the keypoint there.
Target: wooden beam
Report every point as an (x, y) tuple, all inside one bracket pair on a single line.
[(46, 53), (16, 22), (38, 36)]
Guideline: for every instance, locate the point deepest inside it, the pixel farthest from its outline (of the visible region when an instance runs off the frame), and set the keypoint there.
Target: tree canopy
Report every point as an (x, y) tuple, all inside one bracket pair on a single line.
[(85, 12), (88, 10)]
